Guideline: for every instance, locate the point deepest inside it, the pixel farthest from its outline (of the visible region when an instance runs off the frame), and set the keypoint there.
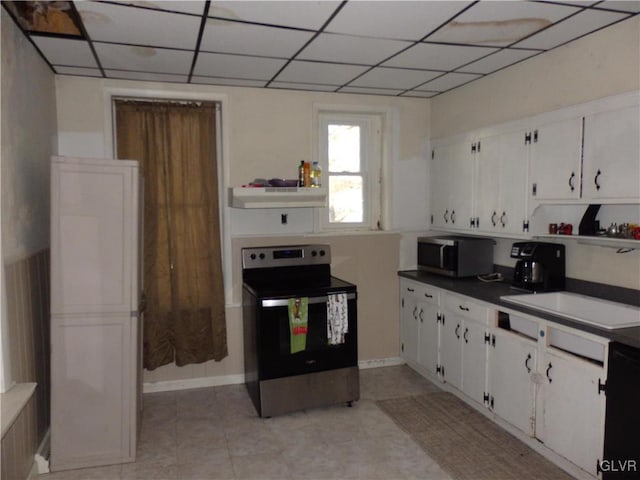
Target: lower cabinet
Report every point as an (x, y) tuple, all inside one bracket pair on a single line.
[(544, 379), (574, 409)]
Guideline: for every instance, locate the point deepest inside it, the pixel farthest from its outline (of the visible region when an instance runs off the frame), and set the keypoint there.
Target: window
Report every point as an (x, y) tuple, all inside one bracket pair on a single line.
[(350, 156)]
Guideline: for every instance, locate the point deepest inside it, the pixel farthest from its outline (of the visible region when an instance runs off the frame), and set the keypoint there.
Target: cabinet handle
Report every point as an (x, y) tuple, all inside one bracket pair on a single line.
[(415, 315), (410, 289), (526, 363), (446, 216), (466, 309), (466, 332), (503, 219), (595, 180), (571, 178), (457, 330), (548, 370), (420, 315), (453, 216), (428, 295), (493, 218)]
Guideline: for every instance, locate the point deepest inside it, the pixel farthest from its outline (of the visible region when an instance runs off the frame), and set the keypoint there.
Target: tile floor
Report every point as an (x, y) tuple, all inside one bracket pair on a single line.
[(215, 433)]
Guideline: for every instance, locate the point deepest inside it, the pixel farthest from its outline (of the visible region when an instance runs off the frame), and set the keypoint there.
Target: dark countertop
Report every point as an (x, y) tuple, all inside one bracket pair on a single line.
[(491, 293)]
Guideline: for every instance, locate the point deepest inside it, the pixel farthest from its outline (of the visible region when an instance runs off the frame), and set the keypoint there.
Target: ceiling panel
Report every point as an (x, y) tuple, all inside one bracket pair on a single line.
[(301, 14), (143, 59), (573, 27), (237, 66), (350, 49), (438, 57), (358, 46), (107, 22), (392, 19), (65, 51), (404, 79), (318, 72), (501, 23)]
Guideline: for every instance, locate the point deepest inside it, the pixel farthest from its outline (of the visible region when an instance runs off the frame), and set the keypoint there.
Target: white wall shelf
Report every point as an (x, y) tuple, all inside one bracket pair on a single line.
[(602, 241), (277, 197)]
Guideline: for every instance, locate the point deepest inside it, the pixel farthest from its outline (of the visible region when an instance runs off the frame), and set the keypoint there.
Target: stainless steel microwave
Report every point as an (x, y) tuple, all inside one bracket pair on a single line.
[(455, 256)]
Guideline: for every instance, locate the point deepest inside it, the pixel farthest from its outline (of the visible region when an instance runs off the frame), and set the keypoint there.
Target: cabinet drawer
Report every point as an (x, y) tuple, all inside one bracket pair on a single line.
[(466, 308), (576, 345), (421, 292)]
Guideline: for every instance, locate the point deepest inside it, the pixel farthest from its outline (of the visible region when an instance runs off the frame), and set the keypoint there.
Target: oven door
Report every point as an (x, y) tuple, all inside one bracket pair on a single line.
[(275, 359)]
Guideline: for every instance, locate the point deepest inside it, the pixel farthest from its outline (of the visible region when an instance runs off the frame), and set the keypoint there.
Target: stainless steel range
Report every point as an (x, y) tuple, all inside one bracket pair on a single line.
[(300, 330)]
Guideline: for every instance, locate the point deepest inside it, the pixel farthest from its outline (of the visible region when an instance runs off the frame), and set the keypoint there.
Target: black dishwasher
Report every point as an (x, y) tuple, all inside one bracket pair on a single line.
[(622, 425)]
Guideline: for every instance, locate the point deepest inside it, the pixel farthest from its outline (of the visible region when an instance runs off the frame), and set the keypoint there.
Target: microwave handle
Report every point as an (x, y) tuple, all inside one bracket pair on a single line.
[(442, 247)]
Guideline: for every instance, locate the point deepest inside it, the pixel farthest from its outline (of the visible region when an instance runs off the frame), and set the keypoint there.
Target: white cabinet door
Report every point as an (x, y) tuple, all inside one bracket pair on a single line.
[(409, 322), (474, 360), (428, 350), (451, 349), (451, 186), (512, 360), (611, 168), (573, 409), (501, 183), (554, 160)]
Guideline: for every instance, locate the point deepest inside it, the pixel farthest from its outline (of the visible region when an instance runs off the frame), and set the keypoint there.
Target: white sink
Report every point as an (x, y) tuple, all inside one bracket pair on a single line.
[(581, 308)]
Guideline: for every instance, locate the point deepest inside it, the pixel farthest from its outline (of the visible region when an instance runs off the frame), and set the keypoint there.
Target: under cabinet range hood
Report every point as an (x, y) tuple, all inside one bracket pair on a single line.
[(277, 197)]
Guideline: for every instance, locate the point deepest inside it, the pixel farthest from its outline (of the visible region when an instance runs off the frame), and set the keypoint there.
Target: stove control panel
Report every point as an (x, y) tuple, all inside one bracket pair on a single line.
[(286, 256)]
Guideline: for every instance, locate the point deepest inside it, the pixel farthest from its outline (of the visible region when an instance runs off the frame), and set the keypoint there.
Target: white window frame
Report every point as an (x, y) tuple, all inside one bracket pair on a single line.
[(372, 156)]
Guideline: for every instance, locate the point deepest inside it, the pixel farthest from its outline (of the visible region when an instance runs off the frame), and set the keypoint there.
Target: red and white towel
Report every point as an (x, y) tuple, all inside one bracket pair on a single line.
[(337, 318)]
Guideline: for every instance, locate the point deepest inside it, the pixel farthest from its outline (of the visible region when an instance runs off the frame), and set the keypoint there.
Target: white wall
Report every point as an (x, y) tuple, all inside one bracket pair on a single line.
[(28, 140), (599, 65)]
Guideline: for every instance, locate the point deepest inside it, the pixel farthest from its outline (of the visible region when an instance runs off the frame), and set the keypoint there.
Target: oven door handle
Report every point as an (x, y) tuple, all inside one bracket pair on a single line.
[(284, 302)]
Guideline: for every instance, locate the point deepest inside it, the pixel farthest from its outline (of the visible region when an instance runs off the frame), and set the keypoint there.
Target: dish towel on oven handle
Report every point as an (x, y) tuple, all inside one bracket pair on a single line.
[(337, 318), (298, 323)]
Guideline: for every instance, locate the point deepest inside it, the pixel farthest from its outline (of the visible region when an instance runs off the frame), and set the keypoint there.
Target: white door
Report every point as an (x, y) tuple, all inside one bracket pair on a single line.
[(611, 153), (573, 409), (440, 191), (474, 360), (512, 361), (513, 183), (451, 349), (488, 184), (428, 351), (555, 157), (461, 184), (408, 322)]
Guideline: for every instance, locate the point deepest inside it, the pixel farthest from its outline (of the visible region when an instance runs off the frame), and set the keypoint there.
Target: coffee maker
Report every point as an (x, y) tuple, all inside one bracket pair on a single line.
[(540, 266)]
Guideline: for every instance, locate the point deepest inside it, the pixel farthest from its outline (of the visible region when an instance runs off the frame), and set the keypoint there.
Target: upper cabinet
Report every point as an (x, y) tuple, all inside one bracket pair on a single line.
[(611, 160), (555, 158)]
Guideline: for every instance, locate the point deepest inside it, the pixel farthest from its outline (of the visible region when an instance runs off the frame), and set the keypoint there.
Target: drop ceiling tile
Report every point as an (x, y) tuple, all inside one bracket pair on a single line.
[(576, 26), (146, 76), (192, 6), (301, 14), (392, 19), (109, 22), (419, 94), (64, 51), (371, 91), (397, 78), (449, 81), (143, 59), (233, 37), (237, 66), (320, 73), (501, 23), (349, 49), (82, 71), (624, 5), (498, 60), (438, 57), (236, 82), (303, 86)]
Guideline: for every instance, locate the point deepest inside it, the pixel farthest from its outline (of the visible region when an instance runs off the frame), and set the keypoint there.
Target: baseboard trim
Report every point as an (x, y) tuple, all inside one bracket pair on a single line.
[(218, 381), (381, 362), (188, 383)]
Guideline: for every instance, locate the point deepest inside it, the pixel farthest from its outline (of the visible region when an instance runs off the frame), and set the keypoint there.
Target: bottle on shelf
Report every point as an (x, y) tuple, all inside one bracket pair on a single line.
[(316, 175), (307, 174), (301, 174)]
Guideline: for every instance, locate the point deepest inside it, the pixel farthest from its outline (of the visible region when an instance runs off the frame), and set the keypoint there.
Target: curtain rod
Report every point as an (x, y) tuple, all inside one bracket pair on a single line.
[(167, 100)]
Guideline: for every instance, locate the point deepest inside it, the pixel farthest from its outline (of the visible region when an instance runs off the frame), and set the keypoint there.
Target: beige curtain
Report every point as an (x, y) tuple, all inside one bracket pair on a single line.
[(184, 321)]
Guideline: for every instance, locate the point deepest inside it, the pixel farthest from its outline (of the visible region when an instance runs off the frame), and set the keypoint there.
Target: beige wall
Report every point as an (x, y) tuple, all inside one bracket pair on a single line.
[(599, 65), (269, 132)]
